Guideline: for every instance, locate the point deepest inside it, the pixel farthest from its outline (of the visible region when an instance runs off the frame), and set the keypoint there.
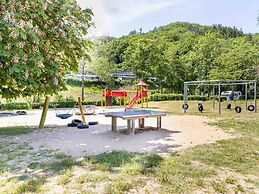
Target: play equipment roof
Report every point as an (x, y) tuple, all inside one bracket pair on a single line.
[(141, 84)]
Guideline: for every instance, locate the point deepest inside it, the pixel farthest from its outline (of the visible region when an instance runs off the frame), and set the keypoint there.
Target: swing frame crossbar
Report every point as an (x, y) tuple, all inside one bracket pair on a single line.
[(218, 84)]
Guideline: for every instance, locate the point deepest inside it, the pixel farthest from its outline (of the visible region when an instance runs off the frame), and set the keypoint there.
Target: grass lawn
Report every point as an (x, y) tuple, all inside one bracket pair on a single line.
[(228, 166), (15, 130)]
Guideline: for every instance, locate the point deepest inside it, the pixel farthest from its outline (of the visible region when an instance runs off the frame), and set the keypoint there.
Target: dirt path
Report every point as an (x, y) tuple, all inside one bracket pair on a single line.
[(179, 132)]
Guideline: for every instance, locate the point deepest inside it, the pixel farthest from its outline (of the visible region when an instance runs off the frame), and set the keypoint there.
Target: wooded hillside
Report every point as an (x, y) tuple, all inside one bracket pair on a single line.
[(169, 55)]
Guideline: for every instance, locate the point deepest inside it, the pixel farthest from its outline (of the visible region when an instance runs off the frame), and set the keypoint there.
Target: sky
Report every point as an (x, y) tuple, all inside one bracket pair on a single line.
[(119, 17)]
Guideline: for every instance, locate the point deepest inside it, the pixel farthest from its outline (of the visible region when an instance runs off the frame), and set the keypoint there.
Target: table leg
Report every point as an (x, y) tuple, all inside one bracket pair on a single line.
[(114, 124), (141, 123), (132, 126), (128, 126), (158, 122)]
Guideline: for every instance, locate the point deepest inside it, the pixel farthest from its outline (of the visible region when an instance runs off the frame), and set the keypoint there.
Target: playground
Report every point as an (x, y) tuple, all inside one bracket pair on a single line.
[(173, 136), (123, 97), (67, 142), (90, 155)]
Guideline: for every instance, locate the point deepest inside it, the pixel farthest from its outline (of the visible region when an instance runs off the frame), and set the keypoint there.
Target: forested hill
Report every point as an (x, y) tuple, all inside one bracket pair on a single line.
[(169, 55)]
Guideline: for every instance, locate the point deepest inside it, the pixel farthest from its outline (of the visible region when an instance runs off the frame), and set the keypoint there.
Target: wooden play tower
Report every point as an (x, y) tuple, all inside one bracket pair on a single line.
[(142, 89)]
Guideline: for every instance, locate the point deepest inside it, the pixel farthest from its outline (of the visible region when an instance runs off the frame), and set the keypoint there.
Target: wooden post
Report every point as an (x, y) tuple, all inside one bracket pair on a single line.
[(44, 112), (81, 109)]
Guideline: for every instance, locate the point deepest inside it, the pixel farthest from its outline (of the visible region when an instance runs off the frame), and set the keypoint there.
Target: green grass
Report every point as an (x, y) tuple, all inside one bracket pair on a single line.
[(15, 130), (239, 154)]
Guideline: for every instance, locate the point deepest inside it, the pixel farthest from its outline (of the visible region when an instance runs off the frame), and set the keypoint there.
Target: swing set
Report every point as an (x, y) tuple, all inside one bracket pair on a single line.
[(218, 84), (58, 114)]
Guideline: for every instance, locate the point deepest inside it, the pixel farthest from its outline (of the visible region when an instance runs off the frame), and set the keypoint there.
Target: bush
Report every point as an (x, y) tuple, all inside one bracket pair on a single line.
[(197, 97), (88, 83), (62, 104), (222, 98), (163, 97), (15, 106)]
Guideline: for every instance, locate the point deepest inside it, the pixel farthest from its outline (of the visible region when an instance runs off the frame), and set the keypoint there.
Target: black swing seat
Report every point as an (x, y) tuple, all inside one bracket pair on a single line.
[(64, 116)]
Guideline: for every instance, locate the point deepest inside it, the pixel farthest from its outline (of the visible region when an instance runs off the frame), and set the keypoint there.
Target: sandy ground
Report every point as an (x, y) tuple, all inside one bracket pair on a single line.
[(179, 132)]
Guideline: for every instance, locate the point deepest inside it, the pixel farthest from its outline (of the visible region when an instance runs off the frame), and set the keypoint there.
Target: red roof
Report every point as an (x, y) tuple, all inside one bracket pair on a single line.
[(141, 84)]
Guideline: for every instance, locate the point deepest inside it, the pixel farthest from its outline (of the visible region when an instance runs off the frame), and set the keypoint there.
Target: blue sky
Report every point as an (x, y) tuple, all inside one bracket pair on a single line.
[(119, 17)]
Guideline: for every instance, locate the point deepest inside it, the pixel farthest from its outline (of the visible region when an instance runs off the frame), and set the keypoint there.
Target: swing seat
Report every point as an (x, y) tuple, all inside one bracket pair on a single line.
[(64, 116)]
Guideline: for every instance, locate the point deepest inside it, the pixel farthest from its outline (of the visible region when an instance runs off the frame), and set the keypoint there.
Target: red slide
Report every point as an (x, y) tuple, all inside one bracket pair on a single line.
[(131, 104)]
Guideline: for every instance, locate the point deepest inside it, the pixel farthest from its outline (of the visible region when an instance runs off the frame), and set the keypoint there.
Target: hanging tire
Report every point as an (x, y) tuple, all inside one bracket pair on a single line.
[(82, 126), (200, 107), (71, 125), (93, 123), (238, 109), (19, 112), (185, 106), (77, 122), (251, 108), (228, 106)]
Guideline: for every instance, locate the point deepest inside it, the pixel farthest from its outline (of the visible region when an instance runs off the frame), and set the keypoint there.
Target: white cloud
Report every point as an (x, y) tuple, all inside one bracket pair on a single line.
[(109, 14)]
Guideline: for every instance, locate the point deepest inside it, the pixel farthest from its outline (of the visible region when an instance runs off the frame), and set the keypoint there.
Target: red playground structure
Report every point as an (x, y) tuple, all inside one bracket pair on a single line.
[(108, 94), (141, 94)]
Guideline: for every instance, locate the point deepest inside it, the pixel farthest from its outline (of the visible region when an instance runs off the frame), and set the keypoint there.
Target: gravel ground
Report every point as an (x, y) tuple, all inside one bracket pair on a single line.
[(178, 132)]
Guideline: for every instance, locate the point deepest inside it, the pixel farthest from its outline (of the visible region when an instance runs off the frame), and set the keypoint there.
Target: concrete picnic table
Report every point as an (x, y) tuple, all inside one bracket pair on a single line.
[(132, 115)]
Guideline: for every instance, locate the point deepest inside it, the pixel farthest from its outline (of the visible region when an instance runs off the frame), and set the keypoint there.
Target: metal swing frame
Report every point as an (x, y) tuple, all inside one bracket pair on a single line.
[(218, 84)]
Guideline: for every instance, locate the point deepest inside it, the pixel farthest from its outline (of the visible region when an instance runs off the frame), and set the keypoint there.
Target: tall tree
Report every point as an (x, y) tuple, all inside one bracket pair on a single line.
[(39, 42)]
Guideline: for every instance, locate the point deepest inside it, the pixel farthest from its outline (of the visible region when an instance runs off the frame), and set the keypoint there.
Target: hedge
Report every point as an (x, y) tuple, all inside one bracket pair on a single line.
[(16, 106), (60, 104), (70, 104), (163, 97), (87, 83)]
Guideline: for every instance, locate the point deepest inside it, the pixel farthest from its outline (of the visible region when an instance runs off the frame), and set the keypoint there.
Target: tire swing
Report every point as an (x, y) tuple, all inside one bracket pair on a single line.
[(93, 123), (200, 107), (75, 123), (185, 106), (229, 106), (238, 109), (251, 108)]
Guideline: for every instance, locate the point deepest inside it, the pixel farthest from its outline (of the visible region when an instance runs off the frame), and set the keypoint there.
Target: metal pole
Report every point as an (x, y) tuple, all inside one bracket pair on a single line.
[(246, 95), (185, 96), (213, 97), (255, 97), (219, 103), (44, 112)]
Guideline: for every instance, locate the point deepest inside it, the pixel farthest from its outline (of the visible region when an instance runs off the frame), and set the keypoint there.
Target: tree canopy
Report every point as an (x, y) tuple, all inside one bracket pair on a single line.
[(169, 55), (39, 42)]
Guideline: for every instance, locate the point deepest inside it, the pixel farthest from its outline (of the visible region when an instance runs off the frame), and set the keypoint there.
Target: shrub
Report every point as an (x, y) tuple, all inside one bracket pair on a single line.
[(163, 97), (87, 83), (15, 106)]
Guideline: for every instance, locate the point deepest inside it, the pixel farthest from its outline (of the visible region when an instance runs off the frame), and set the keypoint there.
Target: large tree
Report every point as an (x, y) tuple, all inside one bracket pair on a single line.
[(39, 42)]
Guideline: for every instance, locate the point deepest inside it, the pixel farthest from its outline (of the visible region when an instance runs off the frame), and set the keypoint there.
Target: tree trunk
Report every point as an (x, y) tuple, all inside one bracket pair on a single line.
[(83, 84)]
